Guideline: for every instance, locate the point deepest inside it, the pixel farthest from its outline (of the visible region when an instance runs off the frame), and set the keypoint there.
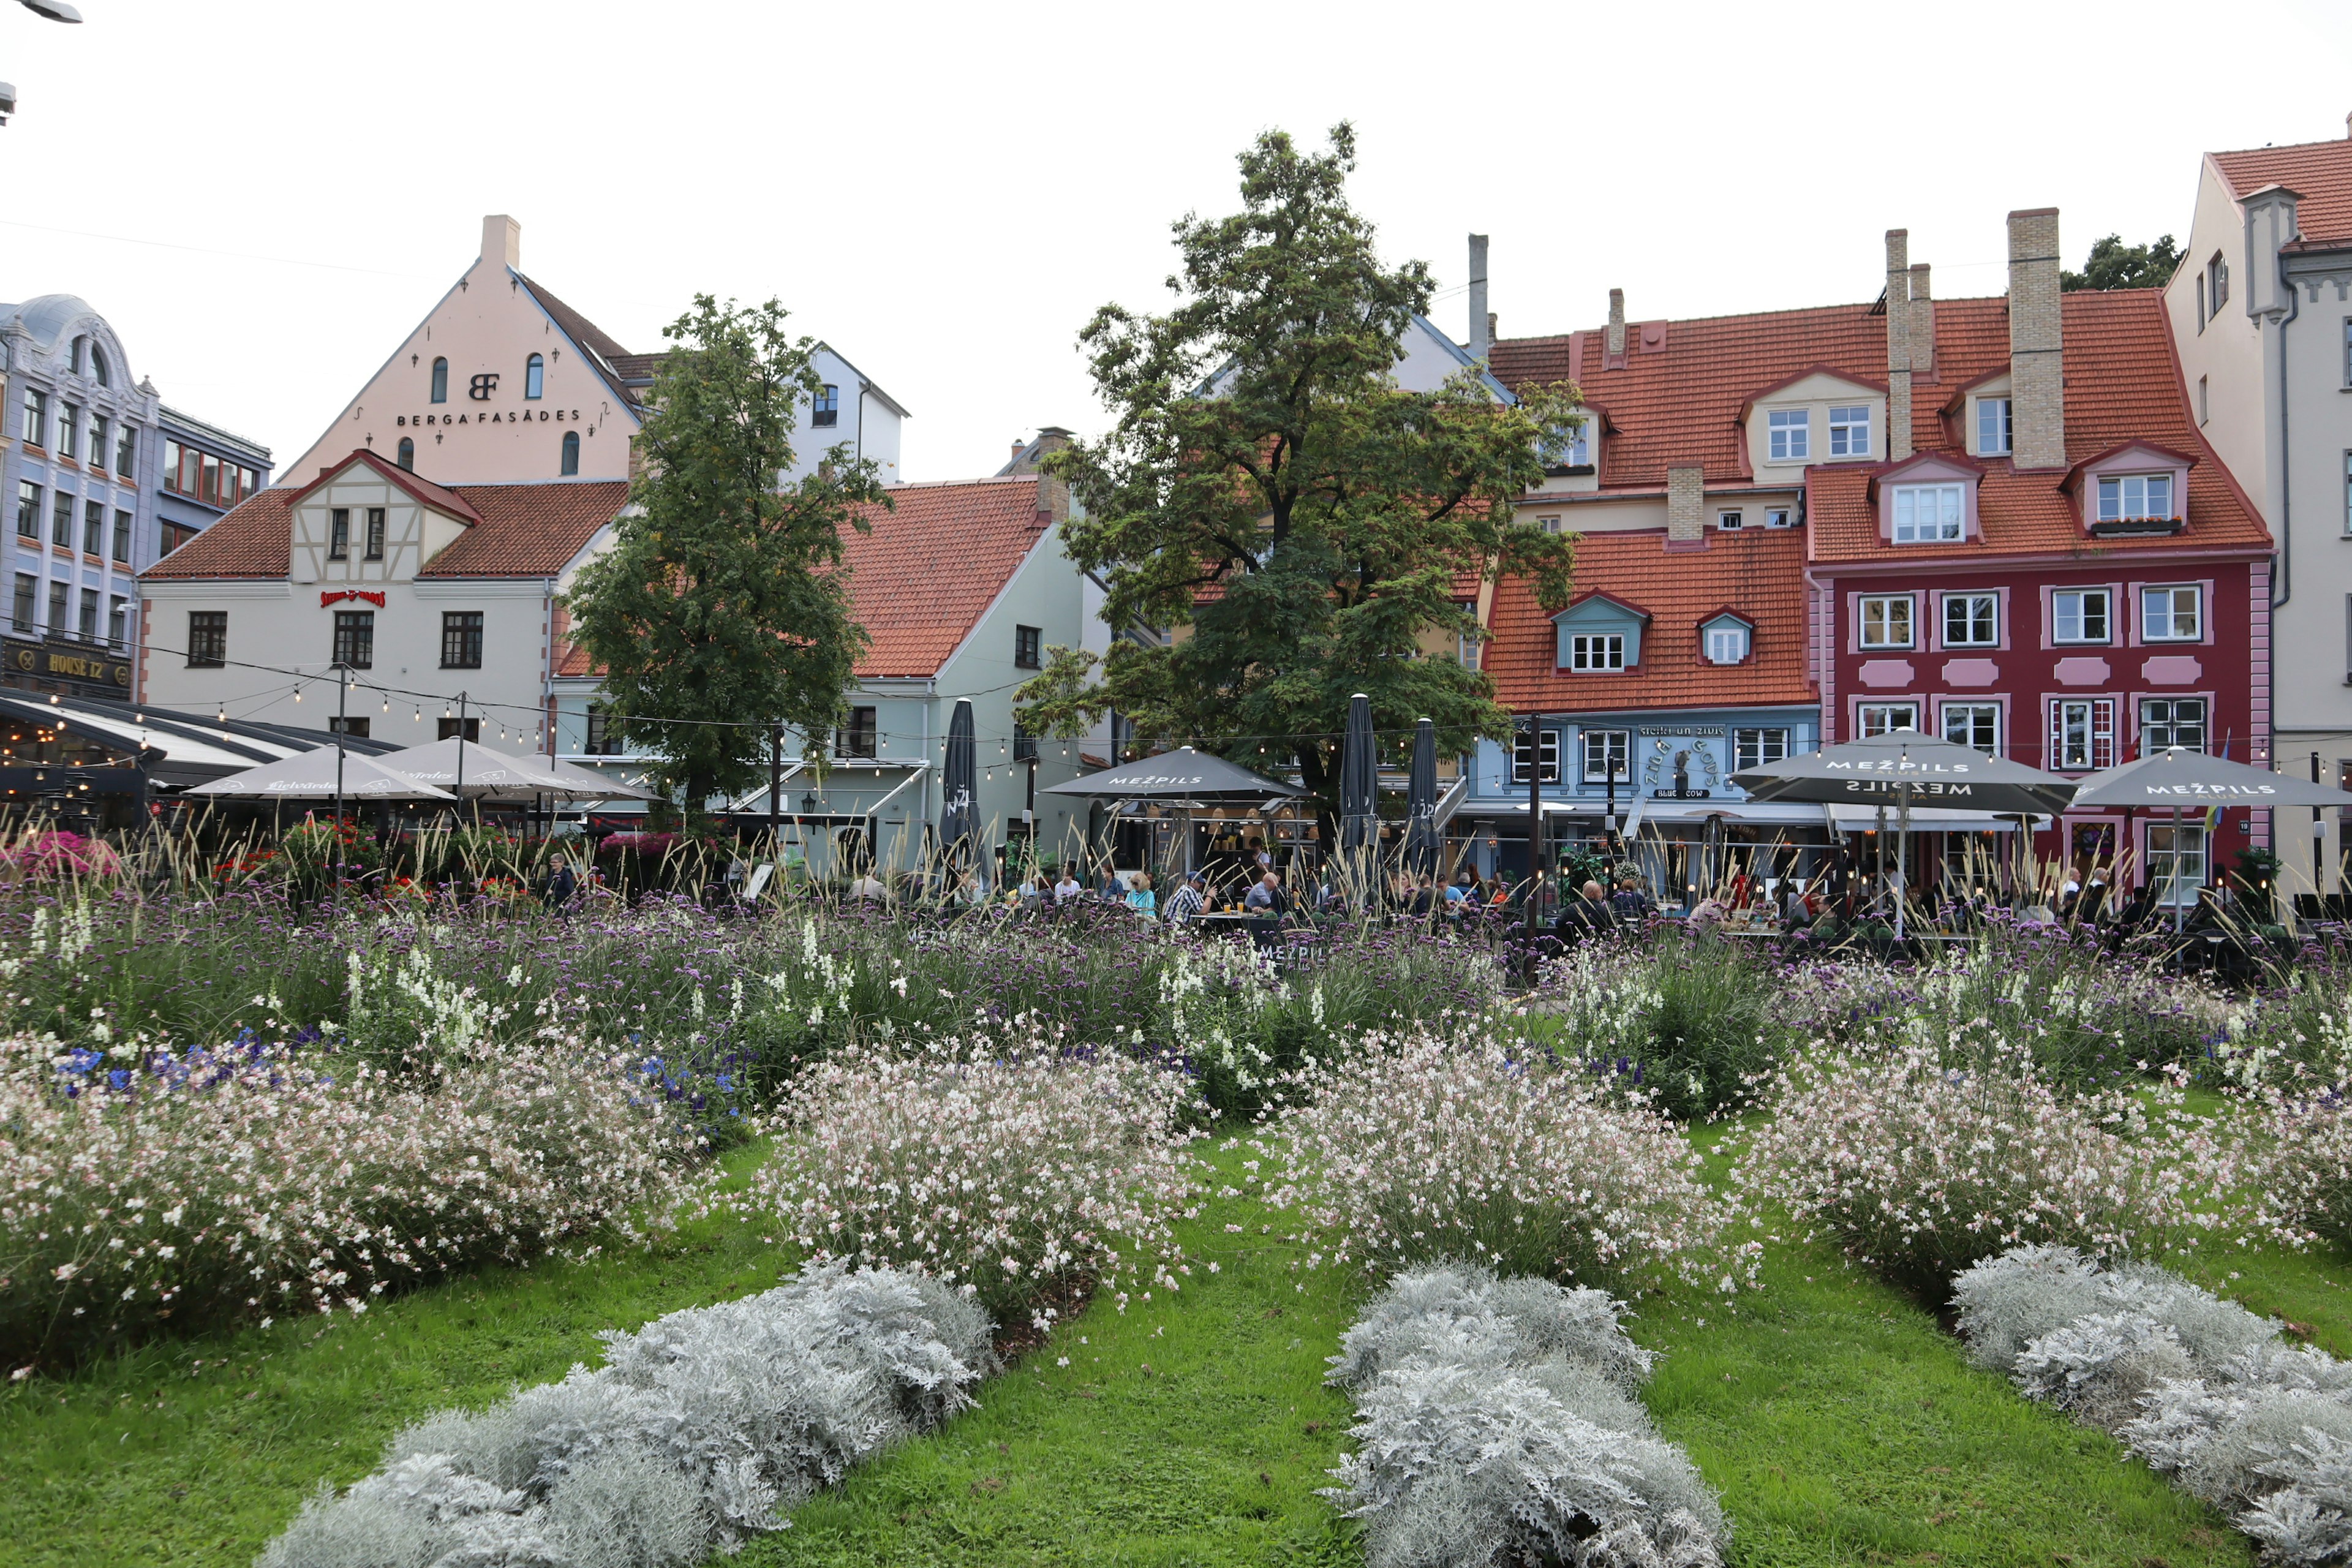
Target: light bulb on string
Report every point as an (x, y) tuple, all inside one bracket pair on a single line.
[(420, 716)]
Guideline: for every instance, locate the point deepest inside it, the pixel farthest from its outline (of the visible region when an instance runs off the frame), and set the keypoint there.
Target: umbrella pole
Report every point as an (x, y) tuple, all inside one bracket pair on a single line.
[(2180, 918), (343, 719)]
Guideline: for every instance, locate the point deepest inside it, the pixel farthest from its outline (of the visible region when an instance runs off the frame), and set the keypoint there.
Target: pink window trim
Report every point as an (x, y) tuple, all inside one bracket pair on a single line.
[(2050, 737), (2204, 586), (2116, 601), (1853, 598), (1936, 625)]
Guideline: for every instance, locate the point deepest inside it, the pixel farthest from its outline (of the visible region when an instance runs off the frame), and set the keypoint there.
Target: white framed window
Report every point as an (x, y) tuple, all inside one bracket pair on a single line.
[(1993, 426), (1548, 753), (1605, 754), (1593, 652), (2079, 616), (1886, 620), (2217, 284), (2172, 614), (1886, 718), (2081, 734), (2126, 496), (1548, 525), (1976, 726), (1466, 649), (1850, 431), (1754, 748), (1929, 514), (1578, 453), (1971, 620), (2176, 861), (1731, 521), (1726, 643), (1791, 434), (2168, 721), (1779, 517)]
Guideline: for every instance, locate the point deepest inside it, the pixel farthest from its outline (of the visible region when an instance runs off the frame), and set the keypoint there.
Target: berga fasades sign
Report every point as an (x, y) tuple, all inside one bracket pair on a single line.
[(66, 661)]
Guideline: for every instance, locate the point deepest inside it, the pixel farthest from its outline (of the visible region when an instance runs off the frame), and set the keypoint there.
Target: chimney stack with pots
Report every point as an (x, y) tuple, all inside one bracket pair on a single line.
[(1898, 345), (1482, 325), (2037, 346), (503, 241)]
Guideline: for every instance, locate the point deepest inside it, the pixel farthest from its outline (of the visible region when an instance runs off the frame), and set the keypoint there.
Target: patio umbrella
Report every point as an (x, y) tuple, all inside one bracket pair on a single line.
[(2178, 779), (1183, 774), (501, 774), (311, 775), (958, 783), (1359, 822), (1903, 768), (1421, 845)]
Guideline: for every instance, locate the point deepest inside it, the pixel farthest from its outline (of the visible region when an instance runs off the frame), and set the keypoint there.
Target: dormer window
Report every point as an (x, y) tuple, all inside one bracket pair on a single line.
[(2126, 497), (1731, 521), (1725, 638), (1993, 426), (1790, 434), (1929, 514), (1850, 431), (1599, 635), (1593, 653)]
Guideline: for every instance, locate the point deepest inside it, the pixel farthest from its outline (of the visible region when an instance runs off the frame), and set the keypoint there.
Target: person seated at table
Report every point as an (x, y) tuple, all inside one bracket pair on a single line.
[(1187, 900), (1266, 896), (1796, 910), (1630, 903), (1067, 886), (1586, 915), (1457, 892), (1139, 896), (1707, 916)]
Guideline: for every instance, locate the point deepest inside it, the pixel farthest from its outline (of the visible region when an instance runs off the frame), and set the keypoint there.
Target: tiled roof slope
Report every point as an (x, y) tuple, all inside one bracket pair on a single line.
[(2121, 385), (2318, 172), (589, 336), (439, 497), (927, 572), (253, 540), (1757, 573)]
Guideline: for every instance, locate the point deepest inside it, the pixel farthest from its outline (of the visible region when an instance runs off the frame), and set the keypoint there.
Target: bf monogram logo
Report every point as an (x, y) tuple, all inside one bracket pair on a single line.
[(484, 384)]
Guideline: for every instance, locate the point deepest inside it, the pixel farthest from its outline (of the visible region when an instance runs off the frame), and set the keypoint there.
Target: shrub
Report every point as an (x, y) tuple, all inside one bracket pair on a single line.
[(701, 1425), (1685, 1019), (1921, 1168), (997, 1165), (1495, 1425), (181, 1191), (1415, 1151)]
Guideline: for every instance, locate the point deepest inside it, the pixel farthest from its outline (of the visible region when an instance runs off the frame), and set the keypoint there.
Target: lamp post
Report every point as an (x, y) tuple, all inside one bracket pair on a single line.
[(1534, 828)]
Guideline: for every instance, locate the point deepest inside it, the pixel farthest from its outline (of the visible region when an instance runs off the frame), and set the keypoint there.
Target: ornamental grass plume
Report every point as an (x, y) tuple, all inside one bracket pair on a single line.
[(183, 1192), (1000, 1164), (1920, 1168), (1415, 1151)]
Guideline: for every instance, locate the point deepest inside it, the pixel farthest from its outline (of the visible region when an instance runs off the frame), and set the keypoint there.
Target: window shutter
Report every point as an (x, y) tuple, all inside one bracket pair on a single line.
[(2053, 740), (2103, 732)]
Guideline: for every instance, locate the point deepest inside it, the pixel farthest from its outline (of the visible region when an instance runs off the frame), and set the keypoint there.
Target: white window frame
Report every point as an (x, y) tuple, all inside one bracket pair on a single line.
[(2058, 598), (1783, 517), (2162, 717), (1788, 434), (1728, 637), (1731, 520), (1982, 721), (1947, 521), (1990, 620), (1881, 718), (2177, 866), (1615, 746), (1596, 653), (1755, 748), (1996, 430), (1850, 430), (1548, 525), (2079, 727), (2173, 597), (2133, 498), (1882, 602), (1546, 752)]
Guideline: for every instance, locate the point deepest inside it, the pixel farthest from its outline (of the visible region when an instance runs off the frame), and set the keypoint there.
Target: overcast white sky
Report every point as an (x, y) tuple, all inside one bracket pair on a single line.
[(945, 193)]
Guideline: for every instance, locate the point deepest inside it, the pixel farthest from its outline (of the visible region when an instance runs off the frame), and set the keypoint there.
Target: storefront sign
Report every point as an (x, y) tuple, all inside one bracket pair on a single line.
[(339, 595), (71, 661), (1675, 765), (1696, 732), (521, 416)]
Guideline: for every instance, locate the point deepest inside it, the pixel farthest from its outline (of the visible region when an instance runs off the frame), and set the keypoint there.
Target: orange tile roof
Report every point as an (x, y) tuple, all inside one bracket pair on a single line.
[(1755, 572), (253, 540), (928, 570), (2318, 172)]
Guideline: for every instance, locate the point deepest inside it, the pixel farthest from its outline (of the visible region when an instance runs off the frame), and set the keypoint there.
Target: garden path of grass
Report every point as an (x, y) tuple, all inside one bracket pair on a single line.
[(1839, 1421)]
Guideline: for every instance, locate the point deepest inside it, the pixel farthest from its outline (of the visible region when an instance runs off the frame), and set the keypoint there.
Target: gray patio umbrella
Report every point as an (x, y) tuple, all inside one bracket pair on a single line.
[(1904, 768), (1421, 845), (1360, 778), (311, 775), (502, 774), (958, 785), (1183, 774), (2195, 781)]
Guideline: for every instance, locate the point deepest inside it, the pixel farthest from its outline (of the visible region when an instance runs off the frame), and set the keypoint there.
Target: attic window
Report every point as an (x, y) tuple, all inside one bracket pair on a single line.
[(1791, 434), (1726, 643), (826, 411), (1929, 514), (1730, 522), (2124, 498), (1850, 431), (1548, 524), (1779, 517), (1593, 653)]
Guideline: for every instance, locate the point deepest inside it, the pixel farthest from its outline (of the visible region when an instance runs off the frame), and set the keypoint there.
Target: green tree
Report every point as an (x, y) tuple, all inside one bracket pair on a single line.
[(723, 603), (2114, 265), (1301, 527)]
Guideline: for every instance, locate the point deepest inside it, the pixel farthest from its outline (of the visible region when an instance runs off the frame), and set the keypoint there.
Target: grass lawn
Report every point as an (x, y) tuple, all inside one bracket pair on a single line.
[(1839, 1421)]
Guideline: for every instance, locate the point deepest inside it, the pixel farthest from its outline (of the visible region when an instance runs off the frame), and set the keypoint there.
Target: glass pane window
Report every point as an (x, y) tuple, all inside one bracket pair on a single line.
[(98, 433), (56, 608), (61, 521), (1850, 431), (1886, 620), (2083, 733), (1929, 514), (117, 620), (355, 638), (2124, 498), (461, 640), (534, 377), (1605, 752), (2172, 614), (339, 533), (2168, 721), (93, 527), (2176, 861), (1993, 426), (89, 623), (207, 638), (375, 515), (604, 735), (1594, 652), (1549, 758), (123, 538), (33, 431), (1971, 620), (1727, 644), (23, 613), (1886, 718), (827, 408), (1976, 726), (28, 510), (1754, 748), (126, 451), (69, 431), (1791, 432), (2078, 615), (859, 736)]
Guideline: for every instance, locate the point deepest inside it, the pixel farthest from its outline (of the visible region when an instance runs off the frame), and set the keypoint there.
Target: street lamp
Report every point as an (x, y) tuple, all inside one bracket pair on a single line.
[(50, 10)]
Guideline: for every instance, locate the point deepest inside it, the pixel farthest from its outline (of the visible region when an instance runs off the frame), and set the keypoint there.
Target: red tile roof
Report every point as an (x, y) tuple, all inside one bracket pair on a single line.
[(2318, 172), (253, 540), (927, 572), (1758, 574), (439, 497)]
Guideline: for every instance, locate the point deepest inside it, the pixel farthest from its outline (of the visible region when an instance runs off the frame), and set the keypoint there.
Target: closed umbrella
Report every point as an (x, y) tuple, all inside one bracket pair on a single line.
[(1421, 845), (312, 775), (1359, 822), (959, 780)]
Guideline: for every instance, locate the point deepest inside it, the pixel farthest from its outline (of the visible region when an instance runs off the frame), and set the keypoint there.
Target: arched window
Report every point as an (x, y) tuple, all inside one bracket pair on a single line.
[(98, 364), (407, 453), (440, 381), (570, 452), (534, 376), (74, 359)]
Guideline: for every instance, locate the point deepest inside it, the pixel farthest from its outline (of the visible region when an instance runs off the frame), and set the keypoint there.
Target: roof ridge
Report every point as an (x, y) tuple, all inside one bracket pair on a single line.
[(2343, 142), (943, 484)]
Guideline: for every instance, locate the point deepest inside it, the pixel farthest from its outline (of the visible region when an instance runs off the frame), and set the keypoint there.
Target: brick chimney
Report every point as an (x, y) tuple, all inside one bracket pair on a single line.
[(1898, 345), (1482, 325), (1923, 322), (2037, 349), (503, 241), (1685, 503), (1616, 339)]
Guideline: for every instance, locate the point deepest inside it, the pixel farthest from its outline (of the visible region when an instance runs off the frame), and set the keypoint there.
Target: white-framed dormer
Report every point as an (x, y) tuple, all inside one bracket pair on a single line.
[(1599, 634), (1928, 501), (1985, 412), (2135, 487), (1817, 416), (1727, 637)]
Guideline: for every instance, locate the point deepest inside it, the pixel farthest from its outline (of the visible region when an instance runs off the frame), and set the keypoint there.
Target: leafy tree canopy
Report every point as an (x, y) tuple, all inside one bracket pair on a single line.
[(2114, 265), (722, 598), (1300, 527)]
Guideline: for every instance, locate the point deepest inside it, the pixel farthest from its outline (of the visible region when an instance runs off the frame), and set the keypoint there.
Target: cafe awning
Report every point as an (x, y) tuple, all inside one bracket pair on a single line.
[(1924, 819)]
